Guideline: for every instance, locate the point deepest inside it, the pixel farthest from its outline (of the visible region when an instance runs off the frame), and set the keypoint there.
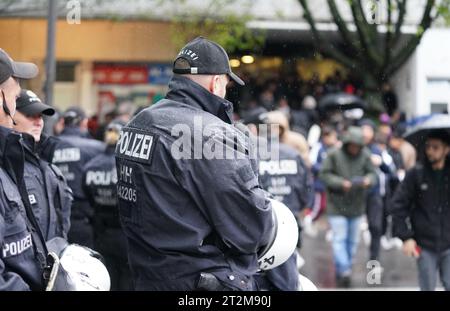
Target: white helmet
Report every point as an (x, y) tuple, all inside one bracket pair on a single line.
[(76, 268), (85, 269), (284, 238), (305, 284)]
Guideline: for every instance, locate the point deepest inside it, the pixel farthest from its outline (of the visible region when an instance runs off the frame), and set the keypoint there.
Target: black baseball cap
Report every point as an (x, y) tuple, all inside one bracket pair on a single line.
[(74, 115), (29, 104), (205, 57), (10, 68)]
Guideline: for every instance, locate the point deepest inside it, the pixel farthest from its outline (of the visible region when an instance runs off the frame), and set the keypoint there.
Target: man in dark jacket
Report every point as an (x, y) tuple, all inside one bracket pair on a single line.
[(421, 212), (384, 168), (48, 192), (23, 252), (347, 173), (70, 159), (194, 218)]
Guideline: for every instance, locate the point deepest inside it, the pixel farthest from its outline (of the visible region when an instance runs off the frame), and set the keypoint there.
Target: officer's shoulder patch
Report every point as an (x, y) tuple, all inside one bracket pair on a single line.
[(136, 145), (246, 173), (248, 176)]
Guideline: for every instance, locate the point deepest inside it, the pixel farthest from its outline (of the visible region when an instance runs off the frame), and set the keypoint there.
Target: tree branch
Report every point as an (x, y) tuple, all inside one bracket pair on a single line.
[(387, 44), (399, 59), (322, 44), (373, 27), (364, 34), (343, 30), (401, 16)]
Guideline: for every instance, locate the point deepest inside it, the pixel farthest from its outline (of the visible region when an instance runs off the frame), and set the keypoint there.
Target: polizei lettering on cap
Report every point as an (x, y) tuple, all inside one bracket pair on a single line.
[(135, 145), (189, 53)]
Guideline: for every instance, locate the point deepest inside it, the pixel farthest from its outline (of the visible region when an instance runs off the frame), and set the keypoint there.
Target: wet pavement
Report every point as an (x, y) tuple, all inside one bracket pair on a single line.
[(399, 271)]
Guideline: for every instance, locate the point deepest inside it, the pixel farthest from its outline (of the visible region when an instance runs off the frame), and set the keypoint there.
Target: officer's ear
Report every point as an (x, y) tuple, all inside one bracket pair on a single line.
[(84, 124), (214, 84)]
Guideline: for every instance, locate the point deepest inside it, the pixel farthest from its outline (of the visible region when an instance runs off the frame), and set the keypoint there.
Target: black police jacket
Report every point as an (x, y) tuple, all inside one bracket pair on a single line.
[(70, 158), (421, 208), (48, 192), (183, 214), (22, 256), (287, 178), (289, 181), (100, 186)]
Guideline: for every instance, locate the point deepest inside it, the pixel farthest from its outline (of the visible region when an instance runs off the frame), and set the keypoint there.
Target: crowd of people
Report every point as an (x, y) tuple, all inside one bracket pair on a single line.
[(165, 223)]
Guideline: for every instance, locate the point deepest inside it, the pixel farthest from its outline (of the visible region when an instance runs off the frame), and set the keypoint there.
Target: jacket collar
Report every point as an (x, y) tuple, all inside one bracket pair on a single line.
[(182, 89), (8, 139), (4, 132), (11, 153), (30, 148), (29, 142)]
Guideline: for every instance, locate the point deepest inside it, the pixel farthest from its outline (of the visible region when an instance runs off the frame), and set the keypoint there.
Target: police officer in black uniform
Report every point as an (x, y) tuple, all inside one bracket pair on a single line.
[(70, 159), (100, 186), (23, 251), (289, 180), (48, 192), (193, 220)]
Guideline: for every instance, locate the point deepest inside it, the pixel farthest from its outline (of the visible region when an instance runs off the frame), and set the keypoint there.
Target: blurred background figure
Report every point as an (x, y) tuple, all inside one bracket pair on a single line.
[(125, 111), (289, 180), (318, 154), (99, 184), (399, 144), (390, 101), (288, 137), (383, 164), (71, 158), (307, 116), (347, 173)]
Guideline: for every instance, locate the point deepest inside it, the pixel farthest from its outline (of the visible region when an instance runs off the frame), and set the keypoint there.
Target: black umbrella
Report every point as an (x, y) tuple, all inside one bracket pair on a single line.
[(418, 134), (342, 101)]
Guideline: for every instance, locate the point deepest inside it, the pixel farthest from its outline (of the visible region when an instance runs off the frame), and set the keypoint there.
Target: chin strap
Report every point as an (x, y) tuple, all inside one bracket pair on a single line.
[(6, 109)]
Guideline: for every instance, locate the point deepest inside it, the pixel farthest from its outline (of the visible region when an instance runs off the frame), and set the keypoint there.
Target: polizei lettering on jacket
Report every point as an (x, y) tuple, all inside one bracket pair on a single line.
[(101, 178), (135, 145), (16, 247), (67, 155), (282, 167)]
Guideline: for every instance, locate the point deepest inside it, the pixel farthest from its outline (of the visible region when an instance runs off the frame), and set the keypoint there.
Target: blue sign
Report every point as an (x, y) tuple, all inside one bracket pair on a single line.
[(159, 74)]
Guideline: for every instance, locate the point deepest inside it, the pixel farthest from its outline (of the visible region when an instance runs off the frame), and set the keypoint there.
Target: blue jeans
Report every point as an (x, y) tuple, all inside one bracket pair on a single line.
[(429, 264), (345, 241)]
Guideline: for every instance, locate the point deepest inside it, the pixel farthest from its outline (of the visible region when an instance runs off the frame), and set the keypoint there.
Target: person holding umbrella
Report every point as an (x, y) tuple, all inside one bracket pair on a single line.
[(421, 207)]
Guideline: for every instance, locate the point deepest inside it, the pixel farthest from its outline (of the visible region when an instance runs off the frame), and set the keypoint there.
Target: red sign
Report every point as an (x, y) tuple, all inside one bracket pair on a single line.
[(132, 74)]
